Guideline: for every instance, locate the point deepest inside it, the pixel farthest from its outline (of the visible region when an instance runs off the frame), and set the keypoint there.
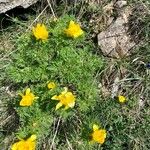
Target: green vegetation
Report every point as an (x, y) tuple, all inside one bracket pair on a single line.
[(73, 63)]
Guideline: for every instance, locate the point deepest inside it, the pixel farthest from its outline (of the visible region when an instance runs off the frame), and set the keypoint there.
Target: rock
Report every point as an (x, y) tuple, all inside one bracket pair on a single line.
[(115, 41), (110, 20), (6, 5), (99, 21)]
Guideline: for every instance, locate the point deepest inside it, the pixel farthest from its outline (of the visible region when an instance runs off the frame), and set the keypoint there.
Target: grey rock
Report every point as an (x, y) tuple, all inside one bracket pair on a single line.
[(115, 41), (6, 5)]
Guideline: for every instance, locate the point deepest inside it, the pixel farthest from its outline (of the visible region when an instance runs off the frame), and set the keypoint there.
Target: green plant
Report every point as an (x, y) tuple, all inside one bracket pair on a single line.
[(69, 63)]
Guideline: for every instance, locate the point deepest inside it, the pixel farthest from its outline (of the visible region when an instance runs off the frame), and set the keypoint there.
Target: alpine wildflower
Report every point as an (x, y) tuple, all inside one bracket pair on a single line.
[(28, 144), (40, 32), (121, 99), (74, 30), (51, 85), (28, 98), (66, 99), (98, 135)]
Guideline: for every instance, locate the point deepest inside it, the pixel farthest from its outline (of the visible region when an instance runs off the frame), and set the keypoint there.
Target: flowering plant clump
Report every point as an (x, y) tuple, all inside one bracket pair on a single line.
[(66, 99), (40, 32), (74, 30), (28, 144), (28, 98), (59, 60), (98, 135)]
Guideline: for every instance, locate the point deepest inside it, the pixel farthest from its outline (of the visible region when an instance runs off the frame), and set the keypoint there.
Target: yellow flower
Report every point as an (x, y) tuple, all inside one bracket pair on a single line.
[(40, 32), (28, 144), (73, 30), (66, 99), (51, 85), (28, 98), (98, 135), (121, 99)]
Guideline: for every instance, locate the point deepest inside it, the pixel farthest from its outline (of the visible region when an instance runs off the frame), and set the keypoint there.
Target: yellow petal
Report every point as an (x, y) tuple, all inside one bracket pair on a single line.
[(38, 25), (66, 107), (55, 97), (65, 90), (22, 103), (71, 104), (58, 106), (14, 146), (20, 94), (105, 133), (28, 91), (95, 127), (43, 26), (72, 23), (32, 138)]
